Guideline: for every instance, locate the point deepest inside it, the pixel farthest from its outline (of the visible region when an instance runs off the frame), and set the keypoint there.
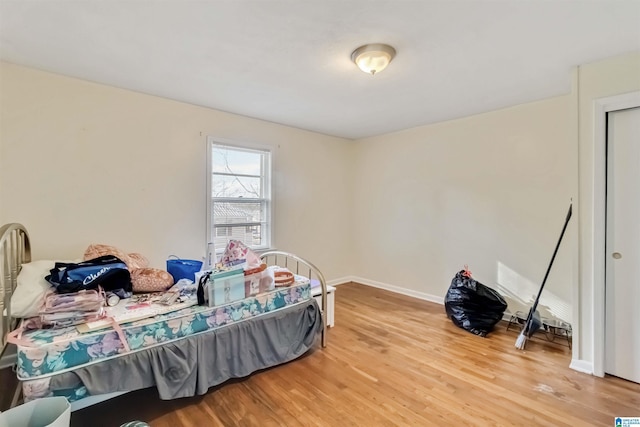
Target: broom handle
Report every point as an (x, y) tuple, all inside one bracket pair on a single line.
[(566, 222)]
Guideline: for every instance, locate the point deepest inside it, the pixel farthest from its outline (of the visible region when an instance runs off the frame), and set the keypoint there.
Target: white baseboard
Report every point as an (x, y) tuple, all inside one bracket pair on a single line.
[(421, 295), (8, 359), (582, 366), (341, 281), (398, 290)]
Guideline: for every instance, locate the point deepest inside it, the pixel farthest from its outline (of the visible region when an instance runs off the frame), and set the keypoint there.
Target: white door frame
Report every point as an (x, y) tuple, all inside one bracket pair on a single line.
[(602, 107)]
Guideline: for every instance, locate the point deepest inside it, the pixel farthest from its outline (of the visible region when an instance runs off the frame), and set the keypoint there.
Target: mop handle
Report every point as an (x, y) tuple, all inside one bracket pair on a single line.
[(566, 222)]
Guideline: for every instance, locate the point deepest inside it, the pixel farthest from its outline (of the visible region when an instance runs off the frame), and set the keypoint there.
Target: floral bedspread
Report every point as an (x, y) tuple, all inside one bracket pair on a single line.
[(48, 351)]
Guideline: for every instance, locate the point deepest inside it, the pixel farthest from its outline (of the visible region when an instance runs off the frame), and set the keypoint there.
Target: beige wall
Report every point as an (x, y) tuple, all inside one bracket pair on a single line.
[(490, 191), (613, 76), (83, 163), (86, 163)]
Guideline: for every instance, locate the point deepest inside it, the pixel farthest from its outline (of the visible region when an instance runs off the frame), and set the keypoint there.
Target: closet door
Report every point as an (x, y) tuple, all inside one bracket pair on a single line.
[(622, 288)]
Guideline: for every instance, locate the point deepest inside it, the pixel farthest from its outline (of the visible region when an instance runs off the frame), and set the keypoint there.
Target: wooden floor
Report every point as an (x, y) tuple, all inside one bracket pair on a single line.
[(395, 361)]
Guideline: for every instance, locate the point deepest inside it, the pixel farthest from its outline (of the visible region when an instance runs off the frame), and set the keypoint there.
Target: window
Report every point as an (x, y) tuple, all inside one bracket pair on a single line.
[(223, 231), (239, 196)]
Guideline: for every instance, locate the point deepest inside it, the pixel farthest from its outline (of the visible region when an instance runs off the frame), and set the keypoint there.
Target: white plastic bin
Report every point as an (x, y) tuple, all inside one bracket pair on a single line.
[(44, 412)]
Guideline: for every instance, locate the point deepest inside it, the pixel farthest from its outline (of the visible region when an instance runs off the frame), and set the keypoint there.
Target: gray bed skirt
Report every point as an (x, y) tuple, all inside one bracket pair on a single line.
[(193, 364)]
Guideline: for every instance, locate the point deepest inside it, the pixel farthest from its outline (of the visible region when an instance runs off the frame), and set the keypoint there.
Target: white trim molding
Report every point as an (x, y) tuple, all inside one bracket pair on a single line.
[(341, 281), (9, 358), (399, 290), (601, 107), (581, 366), (7, 361)]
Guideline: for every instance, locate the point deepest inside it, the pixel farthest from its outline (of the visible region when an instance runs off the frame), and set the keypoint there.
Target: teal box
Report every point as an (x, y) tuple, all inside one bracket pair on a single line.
[(226, 286)]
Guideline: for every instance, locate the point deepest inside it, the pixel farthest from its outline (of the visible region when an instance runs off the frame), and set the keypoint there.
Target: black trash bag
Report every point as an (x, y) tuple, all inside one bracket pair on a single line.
[(473, 306)]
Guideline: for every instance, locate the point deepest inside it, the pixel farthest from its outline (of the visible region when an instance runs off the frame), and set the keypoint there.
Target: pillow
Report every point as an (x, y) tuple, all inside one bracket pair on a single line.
[(138, 261), (31, 288), (151, 280), (95, 251)]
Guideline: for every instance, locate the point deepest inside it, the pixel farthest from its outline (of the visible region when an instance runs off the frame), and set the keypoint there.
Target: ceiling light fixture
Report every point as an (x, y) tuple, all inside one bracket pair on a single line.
[(373, 58)]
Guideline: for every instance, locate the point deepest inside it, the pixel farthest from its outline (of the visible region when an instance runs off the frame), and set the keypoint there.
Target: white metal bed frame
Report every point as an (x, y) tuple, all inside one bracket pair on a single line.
[(15, 250), (303, 267)]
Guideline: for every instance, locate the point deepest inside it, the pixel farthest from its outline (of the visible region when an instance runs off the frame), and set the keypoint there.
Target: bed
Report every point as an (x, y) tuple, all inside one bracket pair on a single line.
[(182, 353)]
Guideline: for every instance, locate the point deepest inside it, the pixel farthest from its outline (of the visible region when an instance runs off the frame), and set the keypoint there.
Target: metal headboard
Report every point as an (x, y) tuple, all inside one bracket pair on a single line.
[(15, 250), (302, 267)]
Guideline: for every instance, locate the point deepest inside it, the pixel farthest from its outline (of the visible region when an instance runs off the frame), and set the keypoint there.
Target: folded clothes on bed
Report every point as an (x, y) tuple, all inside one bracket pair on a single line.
[(62, 310)]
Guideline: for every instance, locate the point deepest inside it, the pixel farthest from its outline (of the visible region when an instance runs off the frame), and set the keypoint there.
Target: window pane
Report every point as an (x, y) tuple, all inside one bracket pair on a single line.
[(250, 236), (240, 192), (238, 212), (236, 162), (223, 231), (236, 186)]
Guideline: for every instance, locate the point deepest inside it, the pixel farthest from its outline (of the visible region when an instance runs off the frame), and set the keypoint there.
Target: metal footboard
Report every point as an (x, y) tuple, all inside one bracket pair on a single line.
[(15, 250), (302, 267)]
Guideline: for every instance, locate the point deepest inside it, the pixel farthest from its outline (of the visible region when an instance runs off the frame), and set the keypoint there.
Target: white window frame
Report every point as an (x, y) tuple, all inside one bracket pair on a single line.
[(266, 176)]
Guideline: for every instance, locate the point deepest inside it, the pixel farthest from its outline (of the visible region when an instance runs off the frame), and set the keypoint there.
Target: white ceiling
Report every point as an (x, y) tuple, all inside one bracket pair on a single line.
[(289, 61)]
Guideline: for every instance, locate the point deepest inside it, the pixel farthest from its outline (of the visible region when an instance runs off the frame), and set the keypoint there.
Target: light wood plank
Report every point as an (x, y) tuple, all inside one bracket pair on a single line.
[(396, 361)]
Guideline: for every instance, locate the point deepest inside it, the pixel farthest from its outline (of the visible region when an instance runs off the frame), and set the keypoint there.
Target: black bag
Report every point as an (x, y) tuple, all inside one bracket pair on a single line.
[(473, 306), (107, 271)]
